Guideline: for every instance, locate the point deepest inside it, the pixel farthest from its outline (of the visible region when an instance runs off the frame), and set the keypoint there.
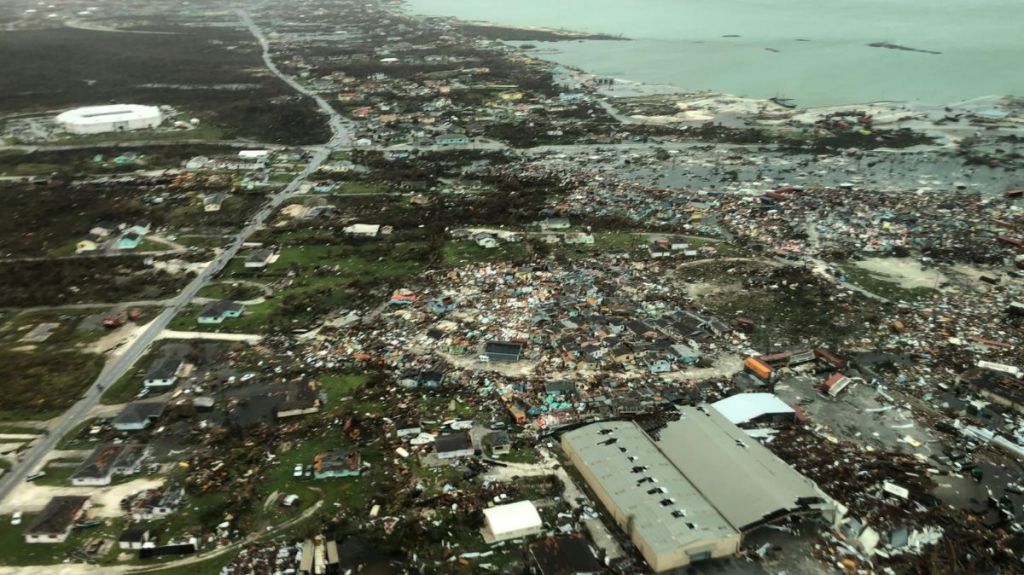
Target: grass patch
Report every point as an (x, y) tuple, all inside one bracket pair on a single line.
[(231, 290), (18, 553), (69, 332), (58, 472), (878, 285), (205, 132), (130, 384), (76, 438), (466, 252), (325, 278), (361, 188), (41, 385), (338, 387)]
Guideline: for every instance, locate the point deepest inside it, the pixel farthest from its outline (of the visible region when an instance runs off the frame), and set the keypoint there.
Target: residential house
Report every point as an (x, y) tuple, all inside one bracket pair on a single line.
[(337, 463), (53, 524), (216, 312), (213, 202), (499, 442), (198, 163), (485, 240), (503, 351), (105, 462), (104, 230), (362, 230), (454, 445), (162, 373), (91, 243), (129, 241), (258, 259), (140, 228), (555, 224), (685, 354), (156, 503), (451, 140), (139, 415)]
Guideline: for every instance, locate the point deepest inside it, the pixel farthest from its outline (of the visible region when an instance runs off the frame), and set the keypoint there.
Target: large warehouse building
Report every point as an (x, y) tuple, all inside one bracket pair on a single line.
[(693, 493), (114, 118)]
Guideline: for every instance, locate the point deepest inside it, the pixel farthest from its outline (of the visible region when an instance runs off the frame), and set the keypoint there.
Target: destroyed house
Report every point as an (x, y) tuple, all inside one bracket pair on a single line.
[(694, 492), (302, 398), (453, 445), (54, 523), (258, 259), (999, 388), (162, 372), (134, 538), (503, 351), (98, 468), (830, 358), (559, 387), (157, 503), (139, 415), (563, 555), (337, 463)]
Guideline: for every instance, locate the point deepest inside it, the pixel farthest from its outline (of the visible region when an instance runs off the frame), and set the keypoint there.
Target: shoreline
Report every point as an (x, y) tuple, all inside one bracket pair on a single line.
[(641, 88)]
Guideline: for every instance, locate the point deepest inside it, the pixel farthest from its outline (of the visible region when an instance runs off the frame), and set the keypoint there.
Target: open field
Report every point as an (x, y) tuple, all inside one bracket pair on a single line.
[(40, 385), (83, 280), (214, 72)]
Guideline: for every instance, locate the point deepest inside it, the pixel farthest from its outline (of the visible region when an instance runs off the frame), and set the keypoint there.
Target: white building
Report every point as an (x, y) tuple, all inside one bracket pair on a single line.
[(512, 521), (113, 118), (362, 230)]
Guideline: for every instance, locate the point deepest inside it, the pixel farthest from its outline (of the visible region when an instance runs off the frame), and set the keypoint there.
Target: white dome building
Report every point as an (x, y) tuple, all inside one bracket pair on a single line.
[(114, 118)]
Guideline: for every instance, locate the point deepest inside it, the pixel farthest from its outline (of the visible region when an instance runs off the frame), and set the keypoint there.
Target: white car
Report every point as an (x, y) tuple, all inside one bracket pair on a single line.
[(248, 376), (297, 472), (16, 518)]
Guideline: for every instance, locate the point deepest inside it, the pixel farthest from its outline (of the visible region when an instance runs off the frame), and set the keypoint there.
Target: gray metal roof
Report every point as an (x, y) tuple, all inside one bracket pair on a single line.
[(623, 467), (746, 482)]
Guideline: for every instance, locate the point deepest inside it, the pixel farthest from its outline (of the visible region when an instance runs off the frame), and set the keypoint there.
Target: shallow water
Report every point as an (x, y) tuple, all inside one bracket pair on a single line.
[(823, 55)]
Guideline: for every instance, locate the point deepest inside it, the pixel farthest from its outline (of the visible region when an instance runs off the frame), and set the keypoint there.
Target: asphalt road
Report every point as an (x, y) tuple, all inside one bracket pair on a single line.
[(342, 134)]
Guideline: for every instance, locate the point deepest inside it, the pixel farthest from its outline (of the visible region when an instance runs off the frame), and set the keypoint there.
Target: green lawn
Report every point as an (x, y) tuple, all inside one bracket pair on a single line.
[(340, 386), (58, 472), (231, 290), (39, 385), (328, 277), (205, 132), (68, 334), (367, 188), (130, 384), (463, 252), (17, 553), (72, 439)]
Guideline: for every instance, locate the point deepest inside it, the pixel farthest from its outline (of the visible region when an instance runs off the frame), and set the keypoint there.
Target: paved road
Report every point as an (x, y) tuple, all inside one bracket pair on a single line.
[(340, 127), (341, 130)]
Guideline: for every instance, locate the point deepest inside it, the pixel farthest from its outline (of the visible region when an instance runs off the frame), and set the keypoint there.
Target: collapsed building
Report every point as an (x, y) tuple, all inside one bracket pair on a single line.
[(692, 490)]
